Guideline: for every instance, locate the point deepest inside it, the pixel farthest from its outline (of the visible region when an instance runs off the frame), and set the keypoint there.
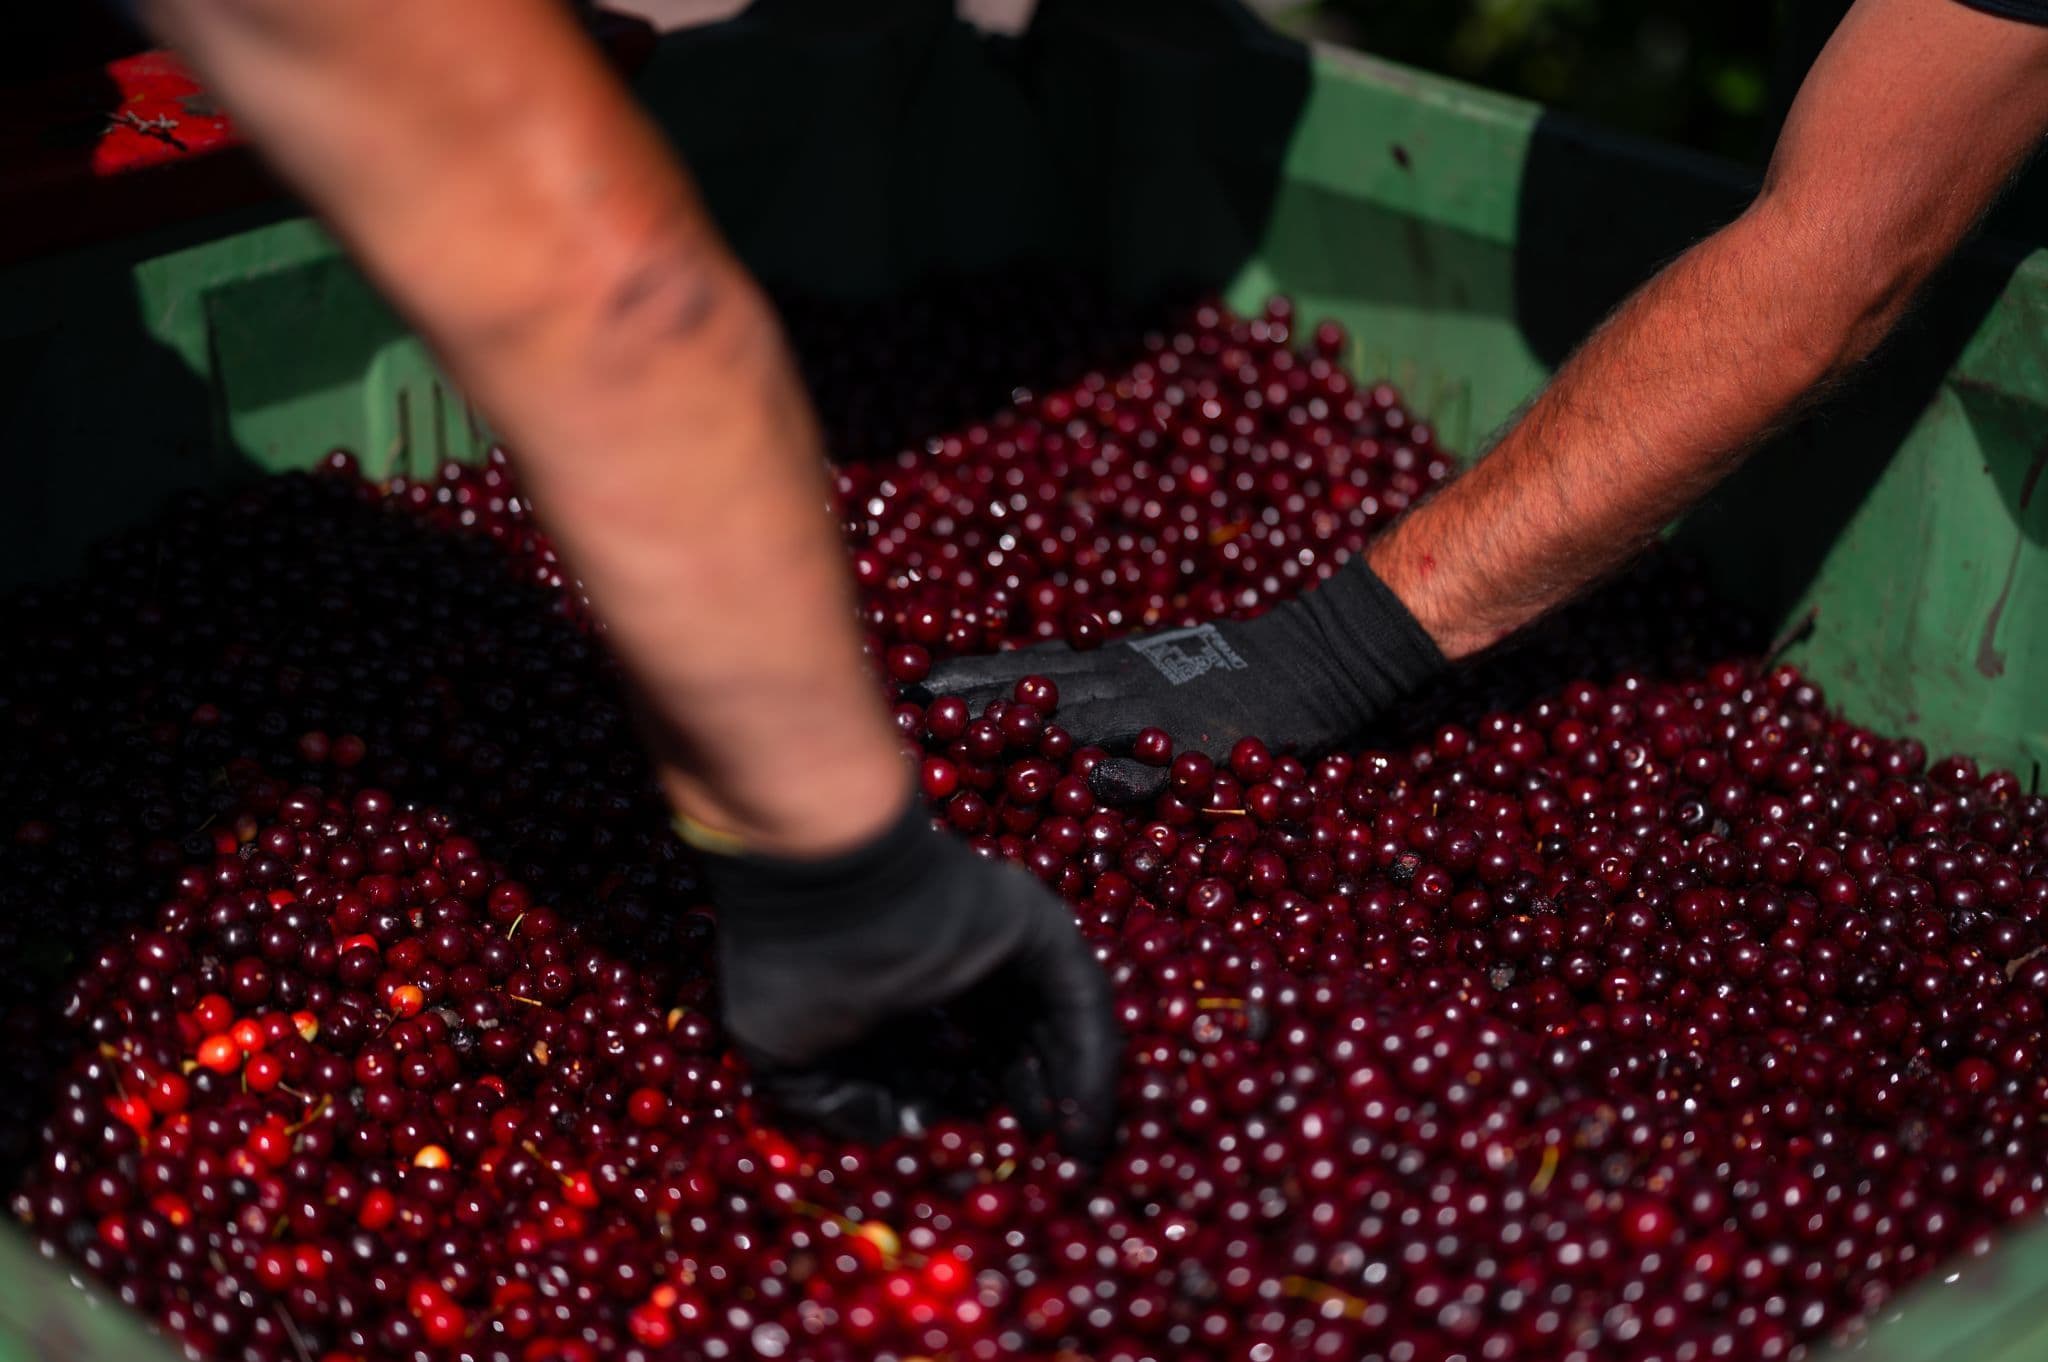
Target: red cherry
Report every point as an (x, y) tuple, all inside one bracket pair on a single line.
[(908, 663), (378, 1209), (1153, 747), (214, 1014), (220, 1054), (647, 1107)]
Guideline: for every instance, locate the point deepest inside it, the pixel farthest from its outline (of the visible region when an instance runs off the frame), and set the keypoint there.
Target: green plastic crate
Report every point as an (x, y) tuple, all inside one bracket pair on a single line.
[(1466, 239)]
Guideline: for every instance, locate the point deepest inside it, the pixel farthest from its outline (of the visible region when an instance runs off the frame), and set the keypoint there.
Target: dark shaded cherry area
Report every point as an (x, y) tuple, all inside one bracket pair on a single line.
[(1616, 1001), (300, 630), (971, 345)]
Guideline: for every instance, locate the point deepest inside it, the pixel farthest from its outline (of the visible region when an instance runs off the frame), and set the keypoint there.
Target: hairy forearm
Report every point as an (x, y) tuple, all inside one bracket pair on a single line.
[(1909, 125), (1664, 399), (700, 523), (495, 180)]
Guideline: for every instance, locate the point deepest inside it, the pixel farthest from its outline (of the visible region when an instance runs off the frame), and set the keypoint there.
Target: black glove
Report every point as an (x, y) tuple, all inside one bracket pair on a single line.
[(1303, 676), (816, 954)]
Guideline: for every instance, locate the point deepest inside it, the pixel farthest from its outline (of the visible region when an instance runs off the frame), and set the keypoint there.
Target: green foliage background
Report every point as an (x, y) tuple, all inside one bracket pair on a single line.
[(1709, 74)]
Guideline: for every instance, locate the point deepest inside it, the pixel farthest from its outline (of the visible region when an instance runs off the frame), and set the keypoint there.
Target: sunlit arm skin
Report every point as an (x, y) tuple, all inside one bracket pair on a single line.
[(499, 185), (1914, 117)]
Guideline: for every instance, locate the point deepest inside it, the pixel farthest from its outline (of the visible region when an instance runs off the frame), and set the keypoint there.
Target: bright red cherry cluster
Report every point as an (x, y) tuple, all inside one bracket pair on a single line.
[(354, 1093), (301, 630), (1618, 1003)]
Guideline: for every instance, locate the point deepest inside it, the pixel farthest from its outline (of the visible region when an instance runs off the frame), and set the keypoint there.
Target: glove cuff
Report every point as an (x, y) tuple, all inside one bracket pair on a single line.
[(1376, 644), (760, 895)]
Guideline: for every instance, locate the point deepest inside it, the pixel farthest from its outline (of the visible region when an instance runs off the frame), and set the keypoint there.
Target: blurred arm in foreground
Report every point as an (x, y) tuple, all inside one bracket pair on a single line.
[(494, 178)]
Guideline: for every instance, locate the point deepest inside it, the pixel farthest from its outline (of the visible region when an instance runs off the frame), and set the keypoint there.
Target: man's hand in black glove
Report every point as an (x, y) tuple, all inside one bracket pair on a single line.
[(1303, 676), (815, 954)]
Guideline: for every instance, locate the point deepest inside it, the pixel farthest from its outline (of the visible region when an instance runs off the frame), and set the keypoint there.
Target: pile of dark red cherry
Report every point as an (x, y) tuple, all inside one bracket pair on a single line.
[(1621, 1003)]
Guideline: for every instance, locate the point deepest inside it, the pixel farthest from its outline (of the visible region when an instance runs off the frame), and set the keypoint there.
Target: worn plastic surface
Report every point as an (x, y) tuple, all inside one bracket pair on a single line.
[(1466, 239), (50, 1313)]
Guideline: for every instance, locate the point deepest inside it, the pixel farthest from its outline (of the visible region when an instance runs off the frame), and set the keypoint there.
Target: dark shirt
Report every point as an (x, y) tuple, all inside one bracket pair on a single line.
[(2031, 11)]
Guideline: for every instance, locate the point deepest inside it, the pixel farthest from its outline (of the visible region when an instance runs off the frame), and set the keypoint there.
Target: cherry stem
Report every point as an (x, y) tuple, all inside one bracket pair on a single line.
[(1306, 1288)]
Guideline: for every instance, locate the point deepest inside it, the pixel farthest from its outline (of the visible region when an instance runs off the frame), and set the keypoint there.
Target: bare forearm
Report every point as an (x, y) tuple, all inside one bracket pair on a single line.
[(1912, 120), (1659, 404), (496, 181)]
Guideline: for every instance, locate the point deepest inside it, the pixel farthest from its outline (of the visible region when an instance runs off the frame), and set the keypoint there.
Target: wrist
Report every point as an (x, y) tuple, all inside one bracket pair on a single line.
[(793, 804), (1457, 634), (1416, 581), (1379, 651), (766, 894)]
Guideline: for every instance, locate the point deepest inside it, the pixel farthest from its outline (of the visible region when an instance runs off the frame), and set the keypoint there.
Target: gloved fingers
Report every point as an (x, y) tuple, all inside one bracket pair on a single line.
[(1114, 727), (1118, 781), (1024, 1084), (1123, 780), (992, 676), (849, 1107), (999, 1011), (1076, 1035)]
